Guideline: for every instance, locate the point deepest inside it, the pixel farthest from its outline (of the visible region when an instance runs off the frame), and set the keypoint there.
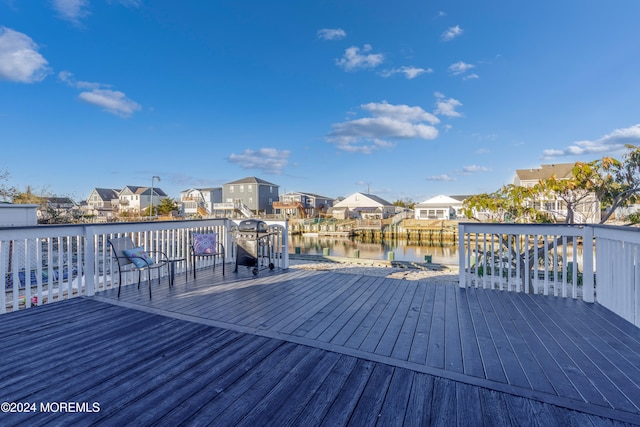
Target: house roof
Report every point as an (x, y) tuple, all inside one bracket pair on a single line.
[(441, 200), (560, 171), (251, 180), (60, 200), (362, 200), (144, 190), (308, 194), (107, 193), (156, 190)]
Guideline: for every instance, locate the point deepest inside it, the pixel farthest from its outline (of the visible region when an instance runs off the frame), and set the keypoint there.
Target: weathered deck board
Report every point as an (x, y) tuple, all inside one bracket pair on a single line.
[(325, 348)]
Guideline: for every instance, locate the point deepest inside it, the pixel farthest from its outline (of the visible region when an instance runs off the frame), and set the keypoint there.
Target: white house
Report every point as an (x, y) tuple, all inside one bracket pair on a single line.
[(440, 207), (362, 206), (586, 211), (137, 199)]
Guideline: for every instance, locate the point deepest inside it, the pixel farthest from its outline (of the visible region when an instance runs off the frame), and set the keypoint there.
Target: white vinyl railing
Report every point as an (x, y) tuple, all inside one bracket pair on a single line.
[(596, 263), (618, 270), (43, 264)]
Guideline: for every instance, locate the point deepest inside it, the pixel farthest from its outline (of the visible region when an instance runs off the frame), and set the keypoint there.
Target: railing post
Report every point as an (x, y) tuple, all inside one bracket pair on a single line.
[(285, 245), (89, 265), (588, 294), (462, 277)]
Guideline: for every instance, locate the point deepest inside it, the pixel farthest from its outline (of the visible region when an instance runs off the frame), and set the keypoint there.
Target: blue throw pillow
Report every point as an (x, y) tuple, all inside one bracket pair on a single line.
[(139, 257)]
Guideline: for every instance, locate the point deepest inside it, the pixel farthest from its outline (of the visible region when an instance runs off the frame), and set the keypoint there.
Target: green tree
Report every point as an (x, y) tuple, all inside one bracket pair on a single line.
[(615, 183), (404, 203), (28, 197), (165, 207)]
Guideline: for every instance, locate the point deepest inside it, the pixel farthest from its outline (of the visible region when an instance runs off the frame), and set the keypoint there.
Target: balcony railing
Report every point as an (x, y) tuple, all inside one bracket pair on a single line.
[(596, 263), (43, 264)]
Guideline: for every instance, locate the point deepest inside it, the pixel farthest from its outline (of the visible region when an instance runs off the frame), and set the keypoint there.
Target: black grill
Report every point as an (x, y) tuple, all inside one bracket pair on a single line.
[(252, 245)]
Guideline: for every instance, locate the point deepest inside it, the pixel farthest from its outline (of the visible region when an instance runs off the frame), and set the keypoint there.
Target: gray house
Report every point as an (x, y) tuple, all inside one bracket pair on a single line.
[(250, 195), (302, 205)]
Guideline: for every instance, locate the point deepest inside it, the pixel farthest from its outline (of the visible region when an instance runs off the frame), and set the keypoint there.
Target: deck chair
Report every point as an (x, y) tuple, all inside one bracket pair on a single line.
[(207, 246), (129, 258)]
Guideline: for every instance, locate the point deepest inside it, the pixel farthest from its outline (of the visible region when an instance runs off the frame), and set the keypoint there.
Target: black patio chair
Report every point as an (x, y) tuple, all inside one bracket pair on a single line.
[(129, 257), (206, 246)]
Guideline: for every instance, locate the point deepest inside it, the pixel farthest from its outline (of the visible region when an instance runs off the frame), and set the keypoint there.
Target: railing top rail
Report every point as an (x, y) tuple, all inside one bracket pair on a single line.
[(616, 232), (44, 231), (509, 228)]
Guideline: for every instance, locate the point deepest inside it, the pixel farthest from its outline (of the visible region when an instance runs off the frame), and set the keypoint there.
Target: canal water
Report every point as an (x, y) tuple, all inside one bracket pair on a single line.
[(348, 247)]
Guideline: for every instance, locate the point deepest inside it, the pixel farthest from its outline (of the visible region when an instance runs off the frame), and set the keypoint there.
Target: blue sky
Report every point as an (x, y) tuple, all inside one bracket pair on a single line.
[(405, 99)]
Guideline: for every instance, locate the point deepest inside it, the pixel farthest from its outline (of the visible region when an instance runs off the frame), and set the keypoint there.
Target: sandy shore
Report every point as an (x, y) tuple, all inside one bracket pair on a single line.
[(438, 273)]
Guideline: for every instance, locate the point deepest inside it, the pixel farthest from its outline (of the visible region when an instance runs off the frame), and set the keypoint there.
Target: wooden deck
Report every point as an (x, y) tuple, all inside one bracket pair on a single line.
[(320, 348)]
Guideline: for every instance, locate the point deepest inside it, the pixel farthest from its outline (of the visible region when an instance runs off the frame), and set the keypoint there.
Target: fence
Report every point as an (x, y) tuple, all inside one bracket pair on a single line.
[(43, 264), (592, 262)]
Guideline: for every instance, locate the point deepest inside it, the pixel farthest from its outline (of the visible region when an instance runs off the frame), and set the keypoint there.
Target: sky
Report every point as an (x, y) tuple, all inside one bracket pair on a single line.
[(405, 100)]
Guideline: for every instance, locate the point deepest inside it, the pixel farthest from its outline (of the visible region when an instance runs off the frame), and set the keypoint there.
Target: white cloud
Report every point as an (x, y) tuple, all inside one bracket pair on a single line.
[(19, 58), (387, 124), (402, 113), (331, 34), (353, 59), (471, 76), (443, 177), (447, 107), (267, 160), (409, 72), (128, 3), (460, 67), (474, 169), (111, 101), (611, 143), (68, 78), (99, 94), (71, 10), (452, 33)]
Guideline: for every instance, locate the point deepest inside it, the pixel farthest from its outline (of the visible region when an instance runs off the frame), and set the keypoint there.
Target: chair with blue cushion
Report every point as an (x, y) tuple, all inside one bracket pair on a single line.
[(206, 246), (130, 257)]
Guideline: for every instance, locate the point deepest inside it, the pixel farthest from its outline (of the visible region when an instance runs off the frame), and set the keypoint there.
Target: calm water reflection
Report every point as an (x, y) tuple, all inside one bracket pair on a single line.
[(345, 247)]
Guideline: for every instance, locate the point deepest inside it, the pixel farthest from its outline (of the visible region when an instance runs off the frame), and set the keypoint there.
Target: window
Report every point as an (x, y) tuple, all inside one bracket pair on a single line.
[(231, 189), (242, 188), (249, 187)]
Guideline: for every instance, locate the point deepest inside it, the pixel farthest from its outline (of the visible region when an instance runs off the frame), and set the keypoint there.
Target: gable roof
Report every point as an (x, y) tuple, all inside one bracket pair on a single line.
[(251, 180), (361, 200), (441, 200), (107, 194), (561, 171)]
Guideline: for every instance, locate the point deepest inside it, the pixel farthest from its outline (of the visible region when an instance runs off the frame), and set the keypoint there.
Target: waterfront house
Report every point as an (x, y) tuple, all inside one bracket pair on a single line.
[(586, 211), (249, 196), (302, 205), (102, 202), (200, 201), (440, 207), (363, 206)]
